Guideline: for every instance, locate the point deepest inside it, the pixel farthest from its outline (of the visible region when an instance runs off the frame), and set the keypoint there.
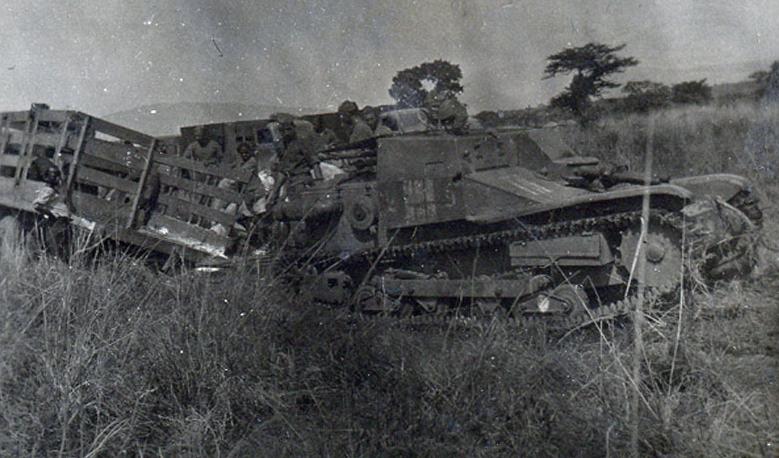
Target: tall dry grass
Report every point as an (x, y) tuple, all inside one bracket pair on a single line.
[(107, 357), (688, 140)]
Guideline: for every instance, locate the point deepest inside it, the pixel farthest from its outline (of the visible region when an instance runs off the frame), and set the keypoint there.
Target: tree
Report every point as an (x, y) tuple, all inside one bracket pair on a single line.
[(591, 65), (411, 86), (766, 80), (644, 96), (691, 92)]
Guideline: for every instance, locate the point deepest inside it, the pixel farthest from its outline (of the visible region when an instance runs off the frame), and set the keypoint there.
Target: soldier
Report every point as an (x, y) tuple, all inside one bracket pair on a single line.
[(361, 130), (204, 150), (371, 116), (298, 153), (445, 111), (42, 168), (254, 190)]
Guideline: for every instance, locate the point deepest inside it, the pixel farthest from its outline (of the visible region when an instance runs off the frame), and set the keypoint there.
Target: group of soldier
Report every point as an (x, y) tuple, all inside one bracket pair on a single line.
[(295, 152), (294, 156)]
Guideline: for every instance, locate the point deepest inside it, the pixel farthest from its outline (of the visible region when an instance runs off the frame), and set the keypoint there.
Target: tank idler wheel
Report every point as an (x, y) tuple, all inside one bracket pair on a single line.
[(661, 247)]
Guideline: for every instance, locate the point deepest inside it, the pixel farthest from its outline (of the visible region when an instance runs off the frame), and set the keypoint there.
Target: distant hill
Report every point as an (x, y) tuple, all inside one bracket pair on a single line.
[(166, 118)]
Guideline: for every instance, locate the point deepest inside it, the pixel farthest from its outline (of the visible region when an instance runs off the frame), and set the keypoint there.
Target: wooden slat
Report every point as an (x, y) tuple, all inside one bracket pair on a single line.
[(76, 158), (27, 150), (113, 218), (142, 184), (16, 116), (54, 115), (180, 206), (9, 160), (63, 140), (19, 196), (201, 188), (100, 163), (106, 213), (123, 133), (96, 177), (4, 134), (239, 175), (46, 139), (181, 230), (118, 153)]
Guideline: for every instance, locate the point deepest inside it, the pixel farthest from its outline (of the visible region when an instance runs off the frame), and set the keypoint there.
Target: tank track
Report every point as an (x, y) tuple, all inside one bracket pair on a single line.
[(615, 221), (568, 324)]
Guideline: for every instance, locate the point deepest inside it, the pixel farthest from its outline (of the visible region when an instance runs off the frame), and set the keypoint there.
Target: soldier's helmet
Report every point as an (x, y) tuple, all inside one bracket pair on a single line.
[(286, 124), (200, 132), (348, 107)]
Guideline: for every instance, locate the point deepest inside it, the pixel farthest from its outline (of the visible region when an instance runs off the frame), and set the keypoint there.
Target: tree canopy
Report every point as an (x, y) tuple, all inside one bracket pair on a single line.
[(409, 85), (591, 66), (644, 96)]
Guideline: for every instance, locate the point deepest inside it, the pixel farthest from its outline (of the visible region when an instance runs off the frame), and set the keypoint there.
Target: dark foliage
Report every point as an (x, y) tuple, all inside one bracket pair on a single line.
[(691, 92), (644, 96), (408, 87), (591, 64)]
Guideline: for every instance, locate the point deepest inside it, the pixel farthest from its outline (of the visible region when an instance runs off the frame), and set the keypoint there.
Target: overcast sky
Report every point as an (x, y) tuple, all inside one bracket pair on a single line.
[(103, 56)]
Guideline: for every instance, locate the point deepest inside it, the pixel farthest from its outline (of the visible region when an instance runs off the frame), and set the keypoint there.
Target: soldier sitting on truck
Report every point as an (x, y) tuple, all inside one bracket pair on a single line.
[(371, 116), (203, 149), (42, 168), (297, 157), (444, 111), (254, 192)]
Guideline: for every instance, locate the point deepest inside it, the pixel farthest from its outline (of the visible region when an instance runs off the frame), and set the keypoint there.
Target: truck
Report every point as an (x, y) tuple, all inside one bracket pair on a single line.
[(115, 182)]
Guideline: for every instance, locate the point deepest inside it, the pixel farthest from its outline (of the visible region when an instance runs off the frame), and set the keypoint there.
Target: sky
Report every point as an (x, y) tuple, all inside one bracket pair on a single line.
[(104, 56)]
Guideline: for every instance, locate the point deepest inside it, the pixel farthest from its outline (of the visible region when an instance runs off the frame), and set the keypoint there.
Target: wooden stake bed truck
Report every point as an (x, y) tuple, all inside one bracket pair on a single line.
[(117, 182)]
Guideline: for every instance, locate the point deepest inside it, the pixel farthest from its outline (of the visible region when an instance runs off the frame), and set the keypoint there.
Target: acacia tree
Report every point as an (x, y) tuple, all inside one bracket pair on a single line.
[(591, 66), (409, 85)]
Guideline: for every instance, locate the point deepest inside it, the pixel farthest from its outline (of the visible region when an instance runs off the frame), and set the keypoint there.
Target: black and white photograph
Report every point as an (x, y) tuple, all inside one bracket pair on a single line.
[(434, 228)]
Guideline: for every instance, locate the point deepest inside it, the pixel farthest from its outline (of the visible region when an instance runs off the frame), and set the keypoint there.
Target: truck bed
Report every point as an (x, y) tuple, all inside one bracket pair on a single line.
[(105, 170)]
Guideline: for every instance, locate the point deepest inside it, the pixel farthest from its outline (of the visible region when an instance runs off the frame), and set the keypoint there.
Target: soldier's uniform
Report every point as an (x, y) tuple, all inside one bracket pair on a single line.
[(209, 154), (382, 130), (445, 111), (297, 157), (360, 130)]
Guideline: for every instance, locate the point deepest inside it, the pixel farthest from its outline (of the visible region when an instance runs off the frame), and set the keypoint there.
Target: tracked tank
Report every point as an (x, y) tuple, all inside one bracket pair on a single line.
[(433, 225)]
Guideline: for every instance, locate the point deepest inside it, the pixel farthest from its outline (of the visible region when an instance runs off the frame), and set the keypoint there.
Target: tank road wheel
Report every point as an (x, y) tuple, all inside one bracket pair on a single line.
[(487, 308), (361, 213), (369, 300), (432, 306), (664, 262)]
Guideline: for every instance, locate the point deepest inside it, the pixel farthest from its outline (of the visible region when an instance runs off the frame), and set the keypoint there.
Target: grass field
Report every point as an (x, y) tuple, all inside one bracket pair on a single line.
[(109, 358)]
